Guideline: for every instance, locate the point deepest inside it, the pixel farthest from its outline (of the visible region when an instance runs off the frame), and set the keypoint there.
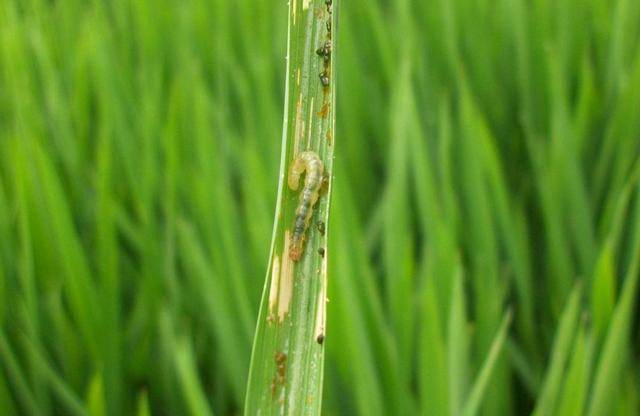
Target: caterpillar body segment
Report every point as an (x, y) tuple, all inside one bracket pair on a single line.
[(310, 164)]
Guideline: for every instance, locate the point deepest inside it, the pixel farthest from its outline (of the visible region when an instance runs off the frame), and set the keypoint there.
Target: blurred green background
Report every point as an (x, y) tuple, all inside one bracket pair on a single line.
[(487, 160)]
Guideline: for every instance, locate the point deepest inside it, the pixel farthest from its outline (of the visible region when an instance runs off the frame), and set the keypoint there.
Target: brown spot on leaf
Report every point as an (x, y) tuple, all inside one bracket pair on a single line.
[(278, 380), (324, 111)]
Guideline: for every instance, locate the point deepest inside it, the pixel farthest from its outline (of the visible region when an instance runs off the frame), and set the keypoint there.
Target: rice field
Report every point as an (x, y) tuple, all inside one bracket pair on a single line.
[(485, 217)]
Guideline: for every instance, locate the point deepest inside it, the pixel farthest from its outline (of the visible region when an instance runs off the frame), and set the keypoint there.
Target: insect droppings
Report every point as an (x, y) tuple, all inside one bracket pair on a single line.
[(310, 163), (324, 78), (321, 252), (325, 51), (321, 227)]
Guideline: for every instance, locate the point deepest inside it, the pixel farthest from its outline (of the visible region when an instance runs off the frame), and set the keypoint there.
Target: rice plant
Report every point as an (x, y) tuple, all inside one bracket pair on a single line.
[(485, 215)]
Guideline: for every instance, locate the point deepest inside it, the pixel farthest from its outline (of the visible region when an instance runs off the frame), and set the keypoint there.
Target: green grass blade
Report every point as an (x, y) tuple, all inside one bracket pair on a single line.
[(615, 353), (477, 392), (458, 347), (572, 399), (551, 387), (191, 388), (25, 396)]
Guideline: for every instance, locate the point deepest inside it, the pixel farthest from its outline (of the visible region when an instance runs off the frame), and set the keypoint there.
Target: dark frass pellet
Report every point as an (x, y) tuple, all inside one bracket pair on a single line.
[(324, 78), (321, 227), (325, 51)]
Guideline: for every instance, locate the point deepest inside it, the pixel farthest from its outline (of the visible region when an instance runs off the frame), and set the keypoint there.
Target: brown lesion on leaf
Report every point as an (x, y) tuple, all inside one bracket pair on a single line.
[(324, 110), (324, 184), (329, 137), (279, 378)]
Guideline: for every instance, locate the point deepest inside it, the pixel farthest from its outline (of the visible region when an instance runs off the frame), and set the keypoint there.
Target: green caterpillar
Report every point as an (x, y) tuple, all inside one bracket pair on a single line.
[(310, 162)]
